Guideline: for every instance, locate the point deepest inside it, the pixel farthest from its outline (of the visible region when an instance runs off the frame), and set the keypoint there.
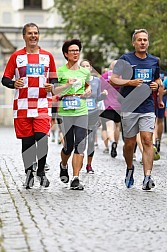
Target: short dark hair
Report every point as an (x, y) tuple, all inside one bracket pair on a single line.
[(68, 43), (29, 25), (138, 31)]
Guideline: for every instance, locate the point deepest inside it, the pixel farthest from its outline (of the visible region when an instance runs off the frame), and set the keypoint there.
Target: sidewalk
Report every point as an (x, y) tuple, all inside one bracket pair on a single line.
[(105, 217)]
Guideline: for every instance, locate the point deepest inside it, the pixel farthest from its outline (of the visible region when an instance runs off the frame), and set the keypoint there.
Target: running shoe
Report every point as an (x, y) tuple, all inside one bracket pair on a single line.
[(106, 150), (114, 150), (157, 144), (141, 161), (75, 184), (47, 168), (96, 145), (89, 169), (148, 183), (156, 154), (29, 179), (53, 139), (43, 179), (34, 166), (129, 180), (64, 177), (134, 157), (58, 141)]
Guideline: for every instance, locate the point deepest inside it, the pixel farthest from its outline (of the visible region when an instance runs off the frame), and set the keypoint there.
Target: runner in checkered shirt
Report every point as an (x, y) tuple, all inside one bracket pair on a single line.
[(35, 73)]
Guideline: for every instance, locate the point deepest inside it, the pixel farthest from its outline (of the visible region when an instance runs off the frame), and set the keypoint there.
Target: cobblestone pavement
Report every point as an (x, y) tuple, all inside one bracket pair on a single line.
[(104, 217)]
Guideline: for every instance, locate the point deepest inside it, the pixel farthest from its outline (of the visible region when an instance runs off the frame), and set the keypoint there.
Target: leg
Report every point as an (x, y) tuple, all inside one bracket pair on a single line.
[(90, 149), (159, 133), (146, 124), (117, 132), (147, 143), (53, 129), (29, 158), (104, 135), (42, 150), (28, 152), (80, 132), (77, 162), (110, 130), (80, 145), (128, 150), (68, 146)]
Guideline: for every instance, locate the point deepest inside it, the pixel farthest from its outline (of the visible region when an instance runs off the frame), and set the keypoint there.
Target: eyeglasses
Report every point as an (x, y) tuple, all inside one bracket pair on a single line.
[(74, 51)]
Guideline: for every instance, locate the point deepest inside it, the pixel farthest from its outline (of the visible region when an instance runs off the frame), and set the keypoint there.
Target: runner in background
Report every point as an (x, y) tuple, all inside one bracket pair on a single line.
[(93, 113), (109, 117)]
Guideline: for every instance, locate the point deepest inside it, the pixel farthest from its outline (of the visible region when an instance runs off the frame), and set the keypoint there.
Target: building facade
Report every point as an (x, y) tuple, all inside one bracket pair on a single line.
[(13, 16)]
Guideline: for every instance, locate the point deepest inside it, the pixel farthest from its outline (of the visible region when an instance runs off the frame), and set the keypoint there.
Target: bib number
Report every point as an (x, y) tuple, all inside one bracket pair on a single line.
[(35, 70), (71, 102), (145, 74), (91, 104)]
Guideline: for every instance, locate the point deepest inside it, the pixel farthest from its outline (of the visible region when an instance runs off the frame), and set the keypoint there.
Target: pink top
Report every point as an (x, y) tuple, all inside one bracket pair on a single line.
[(111, 100)]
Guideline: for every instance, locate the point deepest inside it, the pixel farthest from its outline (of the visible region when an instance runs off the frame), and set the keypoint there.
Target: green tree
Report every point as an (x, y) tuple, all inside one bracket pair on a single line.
[(105, 26)]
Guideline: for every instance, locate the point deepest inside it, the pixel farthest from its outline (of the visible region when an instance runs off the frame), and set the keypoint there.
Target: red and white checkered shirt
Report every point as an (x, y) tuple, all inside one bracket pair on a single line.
[(36, 69)]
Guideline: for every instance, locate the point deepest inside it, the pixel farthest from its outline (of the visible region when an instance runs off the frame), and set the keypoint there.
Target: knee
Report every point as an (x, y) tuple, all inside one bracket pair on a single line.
[(129, 145), (67, 151), (40, 135), (80, 148)]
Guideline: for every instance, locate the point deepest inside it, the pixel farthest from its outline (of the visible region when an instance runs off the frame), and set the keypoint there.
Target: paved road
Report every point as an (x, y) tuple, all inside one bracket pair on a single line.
[(105, 217)]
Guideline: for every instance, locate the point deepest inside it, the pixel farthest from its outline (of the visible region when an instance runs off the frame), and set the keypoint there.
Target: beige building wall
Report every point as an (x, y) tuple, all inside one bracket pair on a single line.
[(13, 16)]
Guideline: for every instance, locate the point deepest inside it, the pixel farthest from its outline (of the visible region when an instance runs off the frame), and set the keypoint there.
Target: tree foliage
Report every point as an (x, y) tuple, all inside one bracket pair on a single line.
[(105, 27)]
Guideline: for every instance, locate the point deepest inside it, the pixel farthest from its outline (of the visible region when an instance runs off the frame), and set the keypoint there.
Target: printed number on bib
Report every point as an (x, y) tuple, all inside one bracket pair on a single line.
[(91, 104), (145, 74), (35, 70), (71, 102)]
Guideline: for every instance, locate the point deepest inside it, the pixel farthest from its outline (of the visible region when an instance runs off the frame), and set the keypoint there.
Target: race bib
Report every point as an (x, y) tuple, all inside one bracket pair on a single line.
[(145, 74), (91, 104), (35, 70), (71, 102)]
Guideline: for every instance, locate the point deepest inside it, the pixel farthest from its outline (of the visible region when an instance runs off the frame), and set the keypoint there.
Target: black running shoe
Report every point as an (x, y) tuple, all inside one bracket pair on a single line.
[(64, 177), (76, 185), (43, 179), (29, 179), (114, 149), (157, 144)]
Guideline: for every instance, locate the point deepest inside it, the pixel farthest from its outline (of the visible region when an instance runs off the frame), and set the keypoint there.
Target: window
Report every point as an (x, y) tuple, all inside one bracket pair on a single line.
[(32, 4)]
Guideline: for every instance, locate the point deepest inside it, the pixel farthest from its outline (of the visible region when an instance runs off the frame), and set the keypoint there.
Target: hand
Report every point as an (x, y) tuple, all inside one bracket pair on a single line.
[(135, 82), (48, 87), (71, 81), (154, 86), (87, 93), (161, 104), (105, 92), (19, 83)]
